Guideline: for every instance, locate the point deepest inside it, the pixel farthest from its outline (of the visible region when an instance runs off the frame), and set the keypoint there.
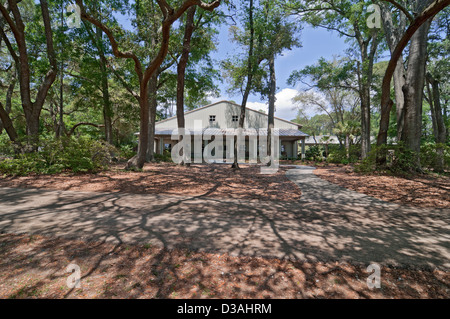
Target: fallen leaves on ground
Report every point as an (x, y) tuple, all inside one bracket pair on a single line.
[(215, 180), (33, 266), (418, 190)]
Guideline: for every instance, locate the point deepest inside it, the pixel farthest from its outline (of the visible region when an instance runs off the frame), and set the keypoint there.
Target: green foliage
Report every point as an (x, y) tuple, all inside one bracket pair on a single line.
[(6, 146), (269, 32), (339, 155), (319, 124), (399, 160), (127, 151), (57, 155), (327, 74), (166, 157), (334, 96), (313, 153), (429, 155)]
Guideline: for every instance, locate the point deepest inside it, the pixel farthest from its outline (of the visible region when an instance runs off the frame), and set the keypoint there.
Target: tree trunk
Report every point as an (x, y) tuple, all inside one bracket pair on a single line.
[(138, 161), (367, 60), (347, 146), (8, 104), (181, 67), (439, 129), (399, 83), (440, 124), (153, 104), (272, 100), (393, 36), (248, 87), (413, 91), (430, 101), (61, 128), (365, 121), (107, 108), (386, 103), (7, 124)]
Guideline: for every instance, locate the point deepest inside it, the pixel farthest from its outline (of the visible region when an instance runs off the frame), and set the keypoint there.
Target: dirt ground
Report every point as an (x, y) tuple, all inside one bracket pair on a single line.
[(164, 178), (247, 183), (35, 267), (418, 191)]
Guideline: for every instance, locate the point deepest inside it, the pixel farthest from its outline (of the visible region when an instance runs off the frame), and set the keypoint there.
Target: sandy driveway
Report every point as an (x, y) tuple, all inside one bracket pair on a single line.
[(328, 223)]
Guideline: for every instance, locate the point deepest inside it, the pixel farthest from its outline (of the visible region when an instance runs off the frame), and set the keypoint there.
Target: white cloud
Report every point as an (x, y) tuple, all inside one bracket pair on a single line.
[(284, 107)]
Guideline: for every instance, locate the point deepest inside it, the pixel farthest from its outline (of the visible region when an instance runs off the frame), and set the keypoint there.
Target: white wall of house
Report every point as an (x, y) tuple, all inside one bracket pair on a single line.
[(223, 113), (226, 116)]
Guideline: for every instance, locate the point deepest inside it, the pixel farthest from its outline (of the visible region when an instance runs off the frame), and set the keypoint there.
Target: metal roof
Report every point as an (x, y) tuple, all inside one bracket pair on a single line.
[(218, 131), (232, 103)]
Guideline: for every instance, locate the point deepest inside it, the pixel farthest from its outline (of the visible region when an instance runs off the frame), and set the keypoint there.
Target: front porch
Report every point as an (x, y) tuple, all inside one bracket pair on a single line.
[(289, 146)]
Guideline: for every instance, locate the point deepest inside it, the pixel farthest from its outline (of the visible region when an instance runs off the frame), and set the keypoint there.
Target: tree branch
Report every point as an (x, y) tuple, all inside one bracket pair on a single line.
[(51, 74), (167, 23), (9, 46), (8, 19), (115, 46), (70, 133), (402, 8), (125, 84)]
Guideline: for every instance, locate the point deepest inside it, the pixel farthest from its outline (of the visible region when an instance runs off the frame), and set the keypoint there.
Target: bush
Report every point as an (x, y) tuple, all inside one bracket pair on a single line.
[(339, 155), (6, 146), (399, 160), (166, 157), (82, 154), (313, 153), (429, 155), (127, 151)]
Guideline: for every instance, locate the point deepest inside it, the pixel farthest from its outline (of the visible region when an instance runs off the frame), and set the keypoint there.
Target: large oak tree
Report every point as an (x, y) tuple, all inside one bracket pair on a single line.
[(170, 15)]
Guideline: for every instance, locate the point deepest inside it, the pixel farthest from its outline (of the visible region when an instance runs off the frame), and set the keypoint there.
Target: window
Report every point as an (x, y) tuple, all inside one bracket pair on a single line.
[(235, 118), (212, 118)]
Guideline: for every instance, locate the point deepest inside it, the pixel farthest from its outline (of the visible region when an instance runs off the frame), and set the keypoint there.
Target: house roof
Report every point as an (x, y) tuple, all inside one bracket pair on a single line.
[(229, 102), (248, 132)]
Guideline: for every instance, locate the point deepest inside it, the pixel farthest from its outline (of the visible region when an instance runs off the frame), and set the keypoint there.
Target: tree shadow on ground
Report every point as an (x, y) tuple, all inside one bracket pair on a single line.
[(187, 236), (34, 267)]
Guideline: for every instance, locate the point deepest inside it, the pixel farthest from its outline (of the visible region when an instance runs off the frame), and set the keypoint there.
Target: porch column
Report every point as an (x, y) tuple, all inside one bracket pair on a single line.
[(303, 149), (161, 145)]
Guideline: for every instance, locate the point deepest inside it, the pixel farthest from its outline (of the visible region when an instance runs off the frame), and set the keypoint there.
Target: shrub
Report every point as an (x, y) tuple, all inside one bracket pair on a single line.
[(339, 155), (429, 155), (6, 146), (127, 151), (313, 153), (81, 154), (165, 157), (399, 160)]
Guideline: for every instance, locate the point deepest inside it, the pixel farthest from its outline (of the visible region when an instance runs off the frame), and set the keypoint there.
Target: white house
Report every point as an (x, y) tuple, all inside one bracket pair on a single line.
[(225, 115)]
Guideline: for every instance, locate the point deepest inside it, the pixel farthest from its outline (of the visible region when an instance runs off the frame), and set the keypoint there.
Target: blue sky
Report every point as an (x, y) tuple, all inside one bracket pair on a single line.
[(316, 43)]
